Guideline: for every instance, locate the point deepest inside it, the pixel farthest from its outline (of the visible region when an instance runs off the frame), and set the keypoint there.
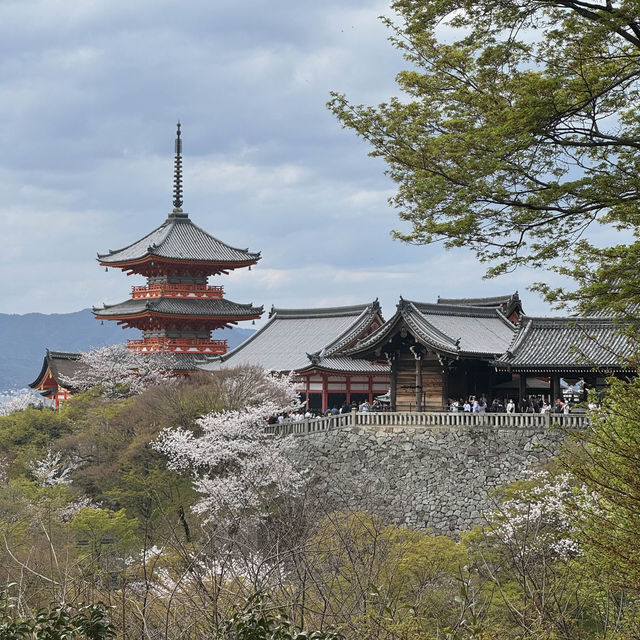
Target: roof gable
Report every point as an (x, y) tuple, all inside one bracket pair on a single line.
[(451, 329), (291, 337)]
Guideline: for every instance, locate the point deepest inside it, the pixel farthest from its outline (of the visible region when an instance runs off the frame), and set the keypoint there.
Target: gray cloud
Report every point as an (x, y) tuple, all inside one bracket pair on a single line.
[(89, 96)]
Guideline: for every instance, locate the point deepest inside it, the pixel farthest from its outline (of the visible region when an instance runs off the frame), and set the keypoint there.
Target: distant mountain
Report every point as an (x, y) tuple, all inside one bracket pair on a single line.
[(24, 338)]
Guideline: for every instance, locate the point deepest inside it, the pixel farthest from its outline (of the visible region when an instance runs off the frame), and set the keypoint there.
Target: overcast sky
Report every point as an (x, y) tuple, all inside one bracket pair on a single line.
[(90, 93)]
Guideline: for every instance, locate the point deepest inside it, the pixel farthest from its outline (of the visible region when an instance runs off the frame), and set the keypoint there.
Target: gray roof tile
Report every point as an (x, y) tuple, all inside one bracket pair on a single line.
[(579, 343), (179, 306), (287, 341), (453, 329), (179, 239)]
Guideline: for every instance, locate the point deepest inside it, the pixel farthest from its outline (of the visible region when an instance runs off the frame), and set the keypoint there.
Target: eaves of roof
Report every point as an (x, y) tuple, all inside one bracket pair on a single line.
[(179, 307), (177, 238)]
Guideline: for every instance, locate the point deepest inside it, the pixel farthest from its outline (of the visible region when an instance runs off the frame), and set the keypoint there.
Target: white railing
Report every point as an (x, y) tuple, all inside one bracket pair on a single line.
[(432, 419)]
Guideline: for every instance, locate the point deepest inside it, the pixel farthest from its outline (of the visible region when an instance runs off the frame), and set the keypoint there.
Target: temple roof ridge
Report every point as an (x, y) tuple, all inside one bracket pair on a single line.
[(454, 309), (481, 301), (323, 312), (451, 329)]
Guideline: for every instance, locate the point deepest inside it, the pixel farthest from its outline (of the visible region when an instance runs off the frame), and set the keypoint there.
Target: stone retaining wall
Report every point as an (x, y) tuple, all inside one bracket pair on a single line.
[(432, 478)]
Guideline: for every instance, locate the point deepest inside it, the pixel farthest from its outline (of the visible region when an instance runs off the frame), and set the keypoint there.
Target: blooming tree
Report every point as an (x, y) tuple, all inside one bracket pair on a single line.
[(54, 469), (236, 466), (120, 371), (19, 400), (539, 515)]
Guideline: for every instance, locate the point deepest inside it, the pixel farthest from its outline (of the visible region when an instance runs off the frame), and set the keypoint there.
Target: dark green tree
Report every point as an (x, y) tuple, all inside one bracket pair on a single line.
[(518, 128)]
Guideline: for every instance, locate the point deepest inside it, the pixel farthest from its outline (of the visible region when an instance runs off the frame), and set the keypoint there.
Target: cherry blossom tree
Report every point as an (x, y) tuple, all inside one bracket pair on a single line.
[(235, 466), (54, 469), (121, 372), (19, 400)]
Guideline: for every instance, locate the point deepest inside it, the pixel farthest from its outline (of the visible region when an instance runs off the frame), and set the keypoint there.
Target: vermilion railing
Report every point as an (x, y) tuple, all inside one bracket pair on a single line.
[(178, 345), (177, 290)]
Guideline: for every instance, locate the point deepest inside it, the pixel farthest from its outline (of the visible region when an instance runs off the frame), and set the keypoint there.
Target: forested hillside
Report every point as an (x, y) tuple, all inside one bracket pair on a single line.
[(24, 338), (174, 509)]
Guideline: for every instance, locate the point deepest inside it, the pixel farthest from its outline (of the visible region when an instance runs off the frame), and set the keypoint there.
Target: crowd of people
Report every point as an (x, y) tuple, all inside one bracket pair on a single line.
[(473, 404), (530, 404), (345, 407)]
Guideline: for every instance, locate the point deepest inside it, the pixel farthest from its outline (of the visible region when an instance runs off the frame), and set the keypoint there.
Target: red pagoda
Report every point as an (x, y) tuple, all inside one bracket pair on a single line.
[(178, 309)]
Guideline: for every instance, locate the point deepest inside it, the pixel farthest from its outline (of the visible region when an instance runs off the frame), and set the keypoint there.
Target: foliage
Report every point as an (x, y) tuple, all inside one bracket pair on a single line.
[(53, 469), (531, 567), (235, 466), (373, 578), (518, 128), (120, 372), (258, 620), (59, 622), (102, 526), (606, 458), (90, 512)]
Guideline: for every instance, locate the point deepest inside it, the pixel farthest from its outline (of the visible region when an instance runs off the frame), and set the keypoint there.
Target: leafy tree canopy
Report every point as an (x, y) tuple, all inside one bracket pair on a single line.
[(516, 134)]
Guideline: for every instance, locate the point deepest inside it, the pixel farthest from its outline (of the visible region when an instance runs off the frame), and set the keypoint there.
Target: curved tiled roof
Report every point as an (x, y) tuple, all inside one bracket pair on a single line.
[(179, 306), (177, 238), (293, 339), (579, 343), (452, 329), (346, 364), (61, 364)]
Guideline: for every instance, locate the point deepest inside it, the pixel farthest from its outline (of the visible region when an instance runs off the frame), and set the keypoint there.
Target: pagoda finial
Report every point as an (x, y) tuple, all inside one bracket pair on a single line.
[(177, 175)]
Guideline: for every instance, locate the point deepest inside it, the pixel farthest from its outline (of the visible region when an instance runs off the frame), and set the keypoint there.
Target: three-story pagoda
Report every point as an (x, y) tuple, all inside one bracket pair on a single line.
[(177, 309)]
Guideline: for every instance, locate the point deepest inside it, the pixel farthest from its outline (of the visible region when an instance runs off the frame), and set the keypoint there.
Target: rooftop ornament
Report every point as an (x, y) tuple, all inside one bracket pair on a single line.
[(177, 175)]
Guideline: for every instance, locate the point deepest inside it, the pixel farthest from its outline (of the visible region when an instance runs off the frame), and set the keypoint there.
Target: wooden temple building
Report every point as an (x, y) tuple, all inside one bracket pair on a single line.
[(486, 346), (57, 368), (177, 309), (311, 343), (443, 350)]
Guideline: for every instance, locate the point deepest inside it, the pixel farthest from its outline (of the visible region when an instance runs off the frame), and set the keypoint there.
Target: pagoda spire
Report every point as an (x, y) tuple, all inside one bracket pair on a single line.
[(177, 175)]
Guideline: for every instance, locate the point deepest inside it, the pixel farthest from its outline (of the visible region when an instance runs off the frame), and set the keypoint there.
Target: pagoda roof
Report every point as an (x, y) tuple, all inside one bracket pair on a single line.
[(217, 307), (574, 344), (451, 329), (59, 364), (177, 238), (302, 339)]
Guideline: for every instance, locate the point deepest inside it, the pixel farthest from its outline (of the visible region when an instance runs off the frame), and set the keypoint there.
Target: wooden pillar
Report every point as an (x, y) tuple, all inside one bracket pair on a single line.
[(325, 393), (308, 389), (556, 392), (348, 384), (393, 384), (522, 387), (370, 381), (418, 384), (445, 387)]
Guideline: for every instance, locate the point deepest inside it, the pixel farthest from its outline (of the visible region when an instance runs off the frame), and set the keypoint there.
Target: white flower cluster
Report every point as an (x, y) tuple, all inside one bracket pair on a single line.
[(53, 469), (539, 516), (120, 371), (234, 464), (69, 511), (18, 400)]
